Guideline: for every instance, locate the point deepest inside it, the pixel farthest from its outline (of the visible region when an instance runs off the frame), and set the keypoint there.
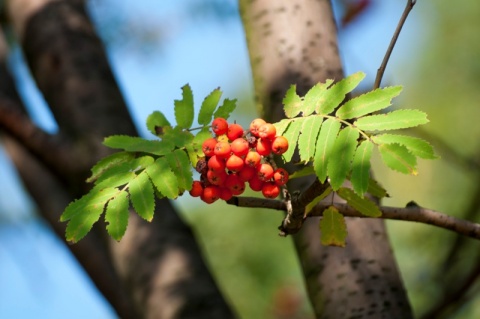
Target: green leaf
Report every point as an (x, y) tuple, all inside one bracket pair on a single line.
[(178, 136), (88, 204), (314, 97), (392, 121), (180, 165), (317, 200), (305, 171), (376, 190), (157, 122), (142, 196), (282, 126), (291, 134), (398, 158), (226, 108), (108, 162), (341, 156), (163, 178), (116, 215), (336, 94), (184, 108), (325, 141), (308, 137), (361, 204), (416, 146), (138, 144), (361, 168), (292, 102), (208, 107), (364, 104), (118, 174), (333, 229)]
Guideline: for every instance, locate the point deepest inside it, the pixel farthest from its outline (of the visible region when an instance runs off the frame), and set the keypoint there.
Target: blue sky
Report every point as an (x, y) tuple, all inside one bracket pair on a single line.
[(38, 276)]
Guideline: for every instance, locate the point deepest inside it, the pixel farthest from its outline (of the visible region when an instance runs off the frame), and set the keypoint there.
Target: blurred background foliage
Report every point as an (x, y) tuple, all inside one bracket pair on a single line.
[(437, 61)]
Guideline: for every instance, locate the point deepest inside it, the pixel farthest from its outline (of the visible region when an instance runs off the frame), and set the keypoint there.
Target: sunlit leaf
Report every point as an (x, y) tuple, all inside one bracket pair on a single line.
[(226, 108), (156, 123), (116, 215), (282, 126), (333, 229), (123, 170), (209, 105), (341, 156), (142, 196), (361, 168), (361, 204), (392, 121), (292, 102), (314, 97), (337, 92), (291, 134), (163, 178), (88, 204), (398, 158), (180, 165), (138, 144), (178, 137), (184, 108), (372, 101), (108, 162), (416, 146), (325, 141), (308, 137)]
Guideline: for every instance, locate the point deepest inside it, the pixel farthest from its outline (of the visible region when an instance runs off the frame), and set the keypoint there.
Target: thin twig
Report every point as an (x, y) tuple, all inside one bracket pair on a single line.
[(383, 66), (410, 213)]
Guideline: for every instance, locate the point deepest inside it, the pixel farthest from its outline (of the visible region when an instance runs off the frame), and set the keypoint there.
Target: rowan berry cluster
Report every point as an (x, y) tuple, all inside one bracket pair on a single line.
[(235, 157)]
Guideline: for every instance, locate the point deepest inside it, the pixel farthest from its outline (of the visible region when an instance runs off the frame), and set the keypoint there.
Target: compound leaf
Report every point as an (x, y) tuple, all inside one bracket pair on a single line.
[(157, 122), (180, 165), (226, 108), (333, 229), (336, 94), (392, 121), (208, 107), (361, 168), (398, 158), (341, 156), (372, 101), (178, 136), (325, 141), (361, 204), (292, 102), (282, 126), (142, 196), (308, 137), (138, 144), (184, 108), (163, 178), (314, 97), (116, 215), (116, 173), (317, 200), (416, 146), (108, 162), (291, 134), (305, 171)]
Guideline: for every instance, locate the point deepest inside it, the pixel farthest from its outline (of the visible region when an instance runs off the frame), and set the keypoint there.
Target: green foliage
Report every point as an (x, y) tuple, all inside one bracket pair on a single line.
[(334, 142)]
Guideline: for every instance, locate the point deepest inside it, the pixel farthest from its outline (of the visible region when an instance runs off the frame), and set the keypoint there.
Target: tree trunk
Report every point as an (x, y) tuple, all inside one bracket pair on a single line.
[(294, 42), (157, 271)]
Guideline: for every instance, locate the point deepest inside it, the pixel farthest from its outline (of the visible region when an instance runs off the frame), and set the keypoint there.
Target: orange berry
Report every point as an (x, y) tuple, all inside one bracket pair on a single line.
[(234, 184), (270, 190), (255, 125), (197, 189), (216, 163), (210, 194), (234, 163), (246, 173), (252, 159), (222, 149), (234, 131), (219, 126), (209, 146), (264, 147), (239, 147), (265, 172), (267, 131), (279, 145), (256, 184), (280, 176), (217, 177)]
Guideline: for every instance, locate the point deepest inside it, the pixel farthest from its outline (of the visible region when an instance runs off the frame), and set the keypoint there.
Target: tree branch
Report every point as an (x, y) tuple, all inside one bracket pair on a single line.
[(383, 66), (410, 213)]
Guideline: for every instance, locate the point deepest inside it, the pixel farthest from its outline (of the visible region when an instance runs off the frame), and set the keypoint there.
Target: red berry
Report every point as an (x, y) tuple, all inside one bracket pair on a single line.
[(255, 125), (209, 146), (210, 194), (267, 131), (264, 147), (234, 163), (256, 184), (280, 176), (234, 131), (216, 163), (222, 149), (197, 189), (225, 193), (219, 126), (252, 159), (217, 177), (279, 145), (270, 190), (234, 184), (239, 147), (265, 172), (246, 173)]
